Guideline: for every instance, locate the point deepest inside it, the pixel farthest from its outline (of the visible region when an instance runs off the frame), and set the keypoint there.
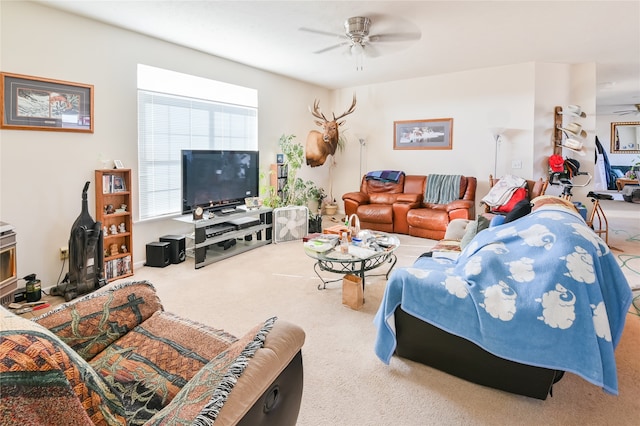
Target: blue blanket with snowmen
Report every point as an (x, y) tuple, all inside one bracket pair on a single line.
[(543, 290)]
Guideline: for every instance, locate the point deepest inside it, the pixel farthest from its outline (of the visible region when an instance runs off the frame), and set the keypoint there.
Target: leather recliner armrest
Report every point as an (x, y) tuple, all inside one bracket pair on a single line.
[(358, 197), (459, 204), (281, 346)]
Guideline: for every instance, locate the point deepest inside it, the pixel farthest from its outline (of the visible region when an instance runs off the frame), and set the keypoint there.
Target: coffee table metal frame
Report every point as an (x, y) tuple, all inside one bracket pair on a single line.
[(352, 265)]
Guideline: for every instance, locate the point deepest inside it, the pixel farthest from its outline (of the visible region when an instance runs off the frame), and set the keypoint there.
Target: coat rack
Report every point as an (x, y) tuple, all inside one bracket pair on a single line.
[(557, 131)]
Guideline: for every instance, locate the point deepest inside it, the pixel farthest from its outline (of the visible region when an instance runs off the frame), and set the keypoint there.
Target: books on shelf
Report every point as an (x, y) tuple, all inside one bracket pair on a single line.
[(113, 183), (117, 267)]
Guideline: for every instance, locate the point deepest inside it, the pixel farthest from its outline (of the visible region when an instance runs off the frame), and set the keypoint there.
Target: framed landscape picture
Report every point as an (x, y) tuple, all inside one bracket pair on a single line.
[(423, 134), (34, 103)]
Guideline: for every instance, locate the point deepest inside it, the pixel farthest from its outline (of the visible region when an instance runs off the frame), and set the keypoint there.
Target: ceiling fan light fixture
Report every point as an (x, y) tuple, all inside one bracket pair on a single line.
[(357, 49)]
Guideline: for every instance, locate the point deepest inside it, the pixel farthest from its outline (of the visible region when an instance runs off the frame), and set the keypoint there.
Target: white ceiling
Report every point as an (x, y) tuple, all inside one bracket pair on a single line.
[(455, 36)]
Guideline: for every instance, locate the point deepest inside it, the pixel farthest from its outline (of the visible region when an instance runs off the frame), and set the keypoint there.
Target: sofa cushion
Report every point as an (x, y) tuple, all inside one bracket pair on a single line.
[(375, 213), (200, 401), (45, 382), (382, 198), (93, 322), (371, 186), (472, 230), (150, 364), (456, 229)]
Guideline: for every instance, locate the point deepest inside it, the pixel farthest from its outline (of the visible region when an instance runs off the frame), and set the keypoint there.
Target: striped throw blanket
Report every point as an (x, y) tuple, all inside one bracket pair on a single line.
[(442, 189)]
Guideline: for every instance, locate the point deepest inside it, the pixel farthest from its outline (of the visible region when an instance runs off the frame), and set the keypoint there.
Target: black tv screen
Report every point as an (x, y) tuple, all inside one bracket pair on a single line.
[(216, 179)]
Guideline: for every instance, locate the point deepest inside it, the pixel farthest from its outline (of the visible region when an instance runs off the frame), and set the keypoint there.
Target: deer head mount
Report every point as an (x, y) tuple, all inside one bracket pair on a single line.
[(322, 144)]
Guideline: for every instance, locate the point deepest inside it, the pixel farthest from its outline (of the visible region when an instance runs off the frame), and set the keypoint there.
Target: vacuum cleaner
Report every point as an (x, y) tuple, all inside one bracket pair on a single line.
[(86, 256)]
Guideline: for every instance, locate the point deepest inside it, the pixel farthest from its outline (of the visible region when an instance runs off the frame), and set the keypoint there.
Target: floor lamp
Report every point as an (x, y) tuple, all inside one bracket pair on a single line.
[(496, 132), (362, 144)]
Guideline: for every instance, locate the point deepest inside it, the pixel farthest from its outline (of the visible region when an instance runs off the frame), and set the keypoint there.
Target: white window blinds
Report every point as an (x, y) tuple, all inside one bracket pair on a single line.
[(169, 122)]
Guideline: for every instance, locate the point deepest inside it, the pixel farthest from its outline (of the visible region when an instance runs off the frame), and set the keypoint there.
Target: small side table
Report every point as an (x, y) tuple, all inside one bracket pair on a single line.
[(602, 227), (621, 182)]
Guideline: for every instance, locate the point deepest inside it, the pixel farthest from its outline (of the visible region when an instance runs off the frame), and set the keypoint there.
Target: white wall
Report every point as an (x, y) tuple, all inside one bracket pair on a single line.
[(520, 98), (562, 85), (42, 173)]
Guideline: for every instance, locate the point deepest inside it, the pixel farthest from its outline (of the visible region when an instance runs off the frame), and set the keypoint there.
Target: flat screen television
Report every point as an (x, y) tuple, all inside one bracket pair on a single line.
[(218, 179)]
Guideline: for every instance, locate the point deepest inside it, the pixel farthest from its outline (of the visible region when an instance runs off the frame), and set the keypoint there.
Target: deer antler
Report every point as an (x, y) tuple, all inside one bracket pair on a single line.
[(316, 110), (347, 112)]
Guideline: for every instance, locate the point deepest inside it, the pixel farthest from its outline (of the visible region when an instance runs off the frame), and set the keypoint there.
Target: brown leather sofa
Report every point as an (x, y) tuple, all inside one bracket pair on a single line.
[(399, 207)]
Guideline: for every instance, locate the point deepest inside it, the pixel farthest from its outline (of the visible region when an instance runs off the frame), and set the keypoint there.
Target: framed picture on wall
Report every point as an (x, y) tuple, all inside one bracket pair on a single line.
[(423, 134), (625, 137), (35, 103)]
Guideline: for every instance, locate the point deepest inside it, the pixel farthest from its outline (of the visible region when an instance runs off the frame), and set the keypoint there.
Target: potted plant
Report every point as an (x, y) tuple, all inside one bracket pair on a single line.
[(296, 192), (331, 207), (315, 197), (633, 171)]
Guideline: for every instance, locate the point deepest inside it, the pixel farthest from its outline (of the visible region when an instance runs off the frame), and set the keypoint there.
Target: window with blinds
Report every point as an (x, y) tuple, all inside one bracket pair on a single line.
[(178, 111)]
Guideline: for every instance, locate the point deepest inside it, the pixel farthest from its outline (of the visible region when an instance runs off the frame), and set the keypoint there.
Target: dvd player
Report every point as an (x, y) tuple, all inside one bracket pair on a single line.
[(215, 230), (244, 222)]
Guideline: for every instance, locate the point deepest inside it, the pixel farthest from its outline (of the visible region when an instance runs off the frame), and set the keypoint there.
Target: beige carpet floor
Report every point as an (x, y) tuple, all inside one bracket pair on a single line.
[(346, 384)]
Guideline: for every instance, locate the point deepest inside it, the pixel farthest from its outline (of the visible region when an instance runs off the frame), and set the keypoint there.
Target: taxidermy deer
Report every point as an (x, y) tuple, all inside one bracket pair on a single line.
[(322, 144)]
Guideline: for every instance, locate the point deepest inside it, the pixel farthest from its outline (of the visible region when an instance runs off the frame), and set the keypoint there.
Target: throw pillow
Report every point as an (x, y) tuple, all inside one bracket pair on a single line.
[(483, 223), (471, 232), (45, 382), (200, 401), (497, 220), (149, 365), (456, 229), (93, 322)]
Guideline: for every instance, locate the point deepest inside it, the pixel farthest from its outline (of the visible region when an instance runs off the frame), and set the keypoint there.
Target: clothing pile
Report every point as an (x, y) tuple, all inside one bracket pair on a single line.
[(506, 193)]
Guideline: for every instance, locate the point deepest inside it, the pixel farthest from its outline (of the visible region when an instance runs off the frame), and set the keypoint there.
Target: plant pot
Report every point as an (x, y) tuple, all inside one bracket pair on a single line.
[(330, 209)]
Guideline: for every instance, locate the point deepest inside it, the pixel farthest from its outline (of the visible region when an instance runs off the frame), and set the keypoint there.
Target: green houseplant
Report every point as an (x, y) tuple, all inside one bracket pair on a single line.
[(633, 171), (296, 191)]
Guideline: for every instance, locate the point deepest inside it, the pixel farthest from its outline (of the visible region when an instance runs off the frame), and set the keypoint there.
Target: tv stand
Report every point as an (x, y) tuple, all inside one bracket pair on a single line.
[(207, 250)]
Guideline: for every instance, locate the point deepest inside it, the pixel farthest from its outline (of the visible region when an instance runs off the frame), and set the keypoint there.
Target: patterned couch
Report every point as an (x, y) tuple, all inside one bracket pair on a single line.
[(115, 357)]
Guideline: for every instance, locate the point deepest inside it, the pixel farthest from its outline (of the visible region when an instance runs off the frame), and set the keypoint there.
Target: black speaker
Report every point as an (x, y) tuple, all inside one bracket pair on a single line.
[(158, 254), (177, 251)]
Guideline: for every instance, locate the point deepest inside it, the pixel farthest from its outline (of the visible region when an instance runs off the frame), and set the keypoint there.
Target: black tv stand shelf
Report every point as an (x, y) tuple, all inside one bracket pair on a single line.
[(207, 250)]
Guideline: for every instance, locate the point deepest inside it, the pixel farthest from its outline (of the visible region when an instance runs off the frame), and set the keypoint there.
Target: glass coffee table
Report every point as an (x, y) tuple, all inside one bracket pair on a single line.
[(372, 253)]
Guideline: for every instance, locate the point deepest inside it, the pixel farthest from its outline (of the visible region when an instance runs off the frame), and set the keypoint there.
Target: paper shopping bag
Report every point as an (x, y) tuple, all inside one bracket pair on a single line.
[(352, 293)]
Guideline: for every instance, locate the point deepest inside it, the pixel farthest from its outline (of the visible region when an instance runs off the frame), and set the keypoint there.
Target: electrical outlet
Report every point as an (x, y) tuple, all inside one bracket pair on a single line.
[(516, 164), (64, 253)]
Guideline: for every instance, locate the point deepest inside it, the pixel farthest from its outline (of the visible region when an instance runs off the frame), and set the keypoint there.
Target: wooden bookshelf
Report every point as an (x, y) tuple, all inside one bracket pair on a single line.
[(113, 210)]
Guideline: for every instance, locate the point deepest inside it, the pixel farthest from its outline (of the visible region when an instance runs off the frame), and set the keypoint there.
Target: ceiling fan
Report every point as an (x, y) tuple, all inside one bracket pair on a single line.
[(635, 110), (357, 39)]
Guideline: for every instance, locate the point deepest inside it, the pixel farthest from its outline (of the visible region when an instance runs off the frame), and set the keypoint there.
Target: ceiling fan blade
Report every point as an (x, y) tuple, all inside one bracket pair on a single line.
[(371, 51), (335, 46), (393, 37), (325, 33), (629, 111)]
